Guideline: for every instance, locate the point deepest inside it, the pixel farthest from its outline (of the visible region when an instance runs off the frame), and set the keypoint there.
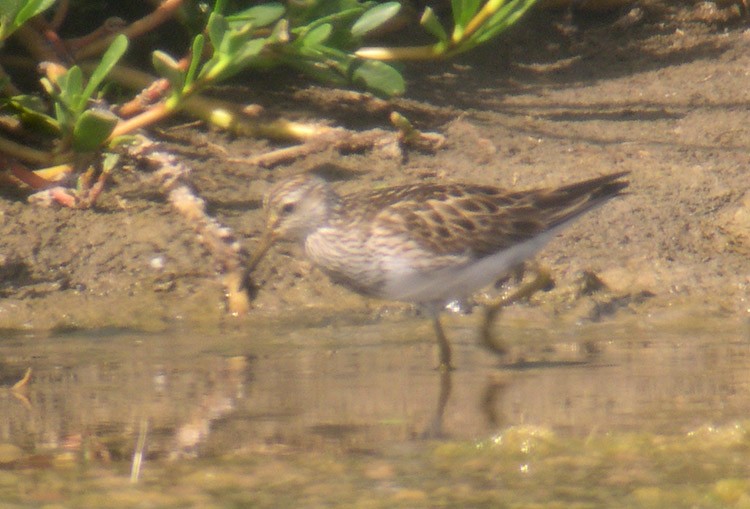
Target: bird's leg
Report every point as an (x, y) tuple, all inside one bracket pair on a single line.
[(491, 395), (445, 347), (435, 428), (541, 280)]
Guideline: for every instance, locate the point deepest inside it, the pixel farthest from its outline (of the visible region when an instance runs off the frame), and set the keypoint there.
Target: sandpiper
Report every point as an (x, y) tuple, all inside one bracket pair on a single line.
[(424, 243)]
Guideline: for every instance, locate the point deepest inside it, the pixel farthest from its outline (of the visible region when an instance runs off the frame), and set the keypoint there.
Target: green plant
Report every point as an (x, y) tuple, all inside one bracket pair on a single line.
[(321, 38), (81, 127), (14, 13), (474, 22)]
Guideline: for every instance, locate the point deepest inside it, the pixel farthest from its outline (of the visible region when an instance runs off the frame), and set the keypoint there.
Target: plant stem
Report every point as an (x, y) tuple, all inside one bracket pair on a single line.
[(490, 8), (223, 114), (150, 116), (24, 153), (403, 53), (59, 17), (35, 44), (147, 23)]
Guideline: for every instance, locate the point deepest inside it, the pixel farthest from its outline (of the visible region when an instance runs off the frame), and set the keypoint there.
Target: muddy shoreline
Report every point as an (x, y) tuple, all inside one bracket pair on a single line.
[(661, 92)]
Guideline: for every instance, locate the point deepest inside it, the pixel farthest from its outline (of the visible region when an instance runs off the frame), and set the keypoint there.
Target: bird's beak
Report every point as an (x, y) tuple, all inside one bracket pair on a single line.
[(266, 241)]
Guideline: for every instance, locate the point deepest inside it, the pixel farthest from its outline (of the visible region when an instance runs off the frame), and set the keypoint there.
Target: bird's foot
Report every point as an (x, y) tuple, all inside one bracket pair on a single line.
[(541, 281)]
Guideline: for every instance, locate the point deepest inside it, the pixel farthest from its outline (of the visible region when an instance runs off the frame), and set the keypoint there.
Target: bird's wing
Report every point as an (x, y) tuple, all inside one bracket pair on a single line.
[(481, 220)]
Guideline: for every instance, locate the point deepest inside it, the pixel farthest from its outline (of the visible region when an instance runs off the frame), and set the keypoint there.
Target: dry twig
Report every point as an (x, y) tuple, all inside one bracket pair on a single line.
[(345, 141), (171, 177)]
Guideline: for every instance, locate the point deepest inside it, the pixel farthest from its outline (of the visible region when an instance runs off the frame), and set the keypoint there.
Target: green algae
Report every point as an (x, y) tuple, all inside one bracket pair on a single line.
[(522, 466)]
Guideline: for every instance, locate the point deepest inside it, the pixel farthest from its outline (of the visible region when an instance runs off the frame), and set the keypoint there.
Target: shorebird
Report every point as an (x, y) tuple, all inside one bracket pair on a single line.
[(428, 244)]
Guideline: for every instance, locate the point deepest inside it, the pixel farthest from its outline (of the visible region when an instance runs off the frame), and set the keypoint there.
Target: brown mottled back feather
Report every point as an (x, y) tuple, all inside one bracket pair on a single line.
[(456, 218)]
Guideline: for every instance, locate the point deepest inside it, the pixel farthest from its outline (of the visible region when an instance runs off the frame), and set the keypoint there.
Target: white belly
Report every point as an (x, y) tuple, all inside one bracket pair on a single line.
[(395, 271)]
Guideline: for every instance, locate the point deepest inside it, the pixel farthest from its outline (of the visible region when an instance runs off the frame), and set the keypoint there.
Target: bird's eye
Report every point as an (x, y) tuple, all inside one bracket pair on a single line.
[(287, 208)]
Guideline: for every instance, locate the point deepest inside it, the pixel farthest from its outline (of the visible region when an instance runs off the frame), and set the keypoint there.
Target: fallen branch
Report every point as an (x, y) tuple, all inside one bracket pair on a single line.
[(171, 176), (389, 143)]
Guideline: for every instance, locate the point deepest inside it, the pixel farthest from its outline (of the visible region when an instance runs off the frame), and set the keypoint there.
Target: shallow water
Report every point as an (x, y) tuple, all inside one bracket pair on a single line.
[(355, 415)]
